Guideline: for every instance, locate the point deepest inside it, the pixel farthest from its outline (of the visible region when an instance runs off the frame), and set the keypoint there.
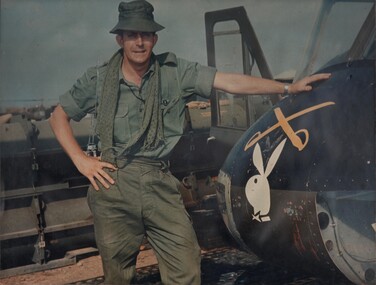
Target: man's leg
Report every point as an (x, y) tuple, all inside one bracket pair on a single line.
[(170, 231), (118, 226)]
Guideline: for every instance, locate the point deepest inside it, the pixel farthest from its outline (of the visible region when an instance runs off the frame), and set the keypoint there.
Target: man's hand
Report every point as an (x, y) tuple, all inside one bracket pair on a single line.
[(303, 85), (93, 169), (89, 166)]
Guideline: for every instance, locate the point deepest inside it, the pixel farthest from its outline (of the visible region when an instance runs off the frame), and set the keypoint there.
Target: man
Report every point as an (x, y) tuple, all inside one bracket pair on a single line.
[(141, 99)]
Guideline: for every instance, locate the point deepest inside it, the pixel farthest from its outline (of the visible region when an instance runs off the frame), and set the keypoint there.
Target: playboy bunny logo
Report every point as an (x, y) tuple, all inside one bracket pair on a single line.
[(257, 188)]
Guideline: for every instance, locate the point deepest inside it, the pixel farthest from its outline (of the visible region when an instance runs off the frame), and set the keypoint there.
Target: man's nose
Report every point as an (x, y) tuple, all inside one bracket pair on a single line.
[(139, 39)]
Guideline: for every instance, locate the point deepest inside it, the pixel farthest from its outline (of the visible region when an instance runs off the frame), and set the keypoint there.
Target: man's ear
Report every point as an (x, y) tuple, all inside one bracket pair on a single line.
[(119, 40), (155, 39)]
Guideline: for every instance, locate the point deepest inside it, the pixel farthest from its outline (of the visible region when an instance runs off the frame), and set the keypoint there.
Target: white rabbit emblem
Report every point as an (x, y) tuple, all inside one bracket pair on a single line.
[(257, 189)]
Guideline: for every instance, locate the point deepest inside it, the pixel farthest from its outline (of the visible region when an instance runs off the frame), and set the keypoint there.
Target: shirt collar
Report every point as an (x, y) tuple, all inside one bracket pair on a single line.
[(167, 58)]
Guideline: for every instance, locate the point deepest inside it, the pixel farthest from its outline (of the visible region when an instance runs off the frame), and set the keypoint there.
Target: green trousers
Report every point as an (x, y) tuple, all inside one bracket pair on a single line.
[(144, 200)]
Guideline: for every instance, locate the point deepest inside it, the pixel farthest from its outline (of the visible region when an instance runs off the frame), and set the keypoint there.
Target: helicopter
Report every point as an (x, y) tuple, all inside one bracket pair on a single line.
[(297, 186)]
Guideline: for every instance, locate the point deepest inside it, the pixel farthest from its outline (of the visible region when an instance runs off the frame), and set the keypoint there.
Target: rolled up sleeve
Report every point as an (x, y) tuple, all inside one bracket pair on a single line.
[(196, 78), (81, 98), (205, 80)]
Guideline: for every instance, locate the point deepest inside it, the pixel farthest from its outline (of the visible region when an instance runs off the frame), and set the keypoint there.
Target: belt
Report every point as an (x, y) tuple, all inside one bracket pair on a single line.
[(121, 162)]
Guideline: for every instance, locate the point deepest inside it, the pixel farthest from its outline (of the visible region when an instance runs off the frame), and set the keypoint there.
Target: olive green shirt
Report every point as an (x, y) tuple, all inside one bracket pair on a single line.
[(180, 81)]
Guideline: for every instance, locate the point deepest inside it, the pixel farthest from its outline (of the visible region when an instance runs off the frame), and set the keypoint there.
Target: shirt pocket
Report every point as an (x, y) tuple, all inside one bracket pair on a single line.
[(174, 117), (121, 124)]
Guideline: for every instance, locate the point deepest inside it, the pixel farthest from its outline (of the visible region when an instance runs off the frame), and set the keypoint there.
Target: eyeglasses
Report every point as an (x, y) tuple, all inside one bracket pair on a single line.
[(135, 34)]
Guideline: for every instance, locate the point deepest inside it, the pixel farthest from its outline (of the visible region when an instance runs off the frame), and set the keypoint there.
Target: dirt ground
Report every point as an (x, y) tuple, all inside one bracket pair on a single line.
[(84, 269)]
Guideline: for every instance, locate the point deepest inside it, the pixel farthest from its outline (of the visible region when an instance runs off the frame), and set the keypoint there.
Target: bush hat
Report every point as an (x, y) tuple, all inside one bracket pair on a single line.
[(136, 16)]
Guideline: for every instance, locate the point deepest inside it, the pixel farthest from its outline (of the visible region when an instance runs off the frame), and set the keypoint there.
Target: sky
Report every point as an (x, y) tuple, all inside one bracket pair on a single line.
[(45, 45)]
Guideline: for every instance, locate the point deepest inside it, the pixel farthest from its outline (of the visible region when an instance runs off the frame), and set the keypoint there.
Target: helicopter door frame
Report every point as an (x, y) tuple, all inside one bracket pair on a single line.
[(251, 50)]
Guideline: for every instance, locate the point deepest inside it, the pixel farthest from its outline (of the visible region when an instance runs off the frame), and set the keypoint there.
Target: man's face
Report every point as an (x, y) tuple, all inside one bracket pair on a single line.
[(138, 46)]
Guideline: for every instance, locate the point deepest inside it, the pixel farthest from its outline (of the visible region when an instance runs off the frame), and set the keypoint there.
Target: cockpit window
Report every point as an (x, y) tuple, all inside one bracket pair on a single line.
[(337, 26)]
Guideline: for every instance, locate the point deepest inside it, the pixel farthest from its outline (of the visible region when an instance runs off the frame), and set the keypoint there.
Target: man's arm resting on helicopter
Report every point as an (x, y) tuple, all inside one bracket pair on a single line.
[(248, 85), (89, 166)]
